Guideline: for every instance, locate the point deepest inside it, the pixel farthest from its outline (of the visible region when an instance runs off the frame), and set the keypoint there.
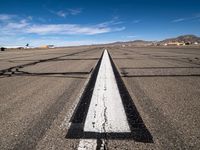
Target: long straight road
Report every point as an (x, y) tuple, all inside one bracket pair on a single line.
[(41, 91)]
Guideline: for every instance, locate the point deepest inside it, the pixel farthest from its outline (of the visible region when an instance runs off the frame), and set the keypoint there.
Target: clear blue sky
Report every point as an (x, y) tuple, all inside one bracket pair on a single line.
[(73, 22)]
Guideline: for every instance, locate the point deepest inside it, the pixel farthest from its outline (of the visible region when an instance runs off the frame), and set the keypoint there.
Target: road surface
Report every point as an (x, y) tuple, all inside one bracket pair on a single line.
[(42, 92)]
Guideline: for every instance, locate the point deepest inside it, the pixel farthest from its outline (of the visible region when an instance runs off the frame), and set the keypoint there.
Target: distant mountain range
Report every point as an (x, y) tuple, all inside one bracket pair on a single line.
[(183, 38), (136, 42)]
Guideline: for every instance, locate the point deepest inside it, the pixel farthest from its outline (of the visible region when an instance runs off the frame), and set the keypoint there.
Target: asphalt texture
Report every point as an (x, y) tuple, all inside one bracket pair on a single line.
[(40, 91)]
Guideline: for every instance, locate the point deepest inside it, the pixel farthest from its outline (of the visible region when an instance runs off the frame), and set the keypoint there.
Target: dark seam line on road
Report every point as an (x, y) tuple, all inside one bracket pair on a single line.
[(51, 76), (125, 58), (52, 73), (14, 61), (17, 72), (159, 67), (23, 73), (191, 63), (77, 59), (139, 132), (150, 58), (40, 61), (137, 76)]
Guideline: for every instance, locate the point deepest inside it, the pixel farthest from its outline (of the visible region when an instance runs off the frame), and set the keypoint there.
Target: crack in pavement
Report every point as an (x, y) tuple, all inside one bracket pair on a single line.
[(104, 141)]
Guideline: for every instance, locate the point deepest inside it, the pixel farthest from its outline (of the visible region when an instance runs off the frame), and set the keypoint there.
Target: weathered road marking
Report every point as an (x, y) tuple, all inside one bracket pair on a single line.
[(106, 112)]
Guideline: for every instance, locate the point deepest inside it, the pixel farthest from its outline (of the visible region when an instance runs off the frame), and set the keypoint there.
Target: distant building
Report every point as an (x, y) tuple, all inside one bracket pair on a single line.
[(123, 45), (47, 46), (174, 44)]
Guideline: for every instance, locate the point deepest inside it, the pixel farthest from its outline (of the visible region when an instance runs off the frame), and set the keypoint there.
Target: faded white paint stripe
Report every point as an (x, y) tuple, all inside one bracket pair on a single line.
[(106, 112)]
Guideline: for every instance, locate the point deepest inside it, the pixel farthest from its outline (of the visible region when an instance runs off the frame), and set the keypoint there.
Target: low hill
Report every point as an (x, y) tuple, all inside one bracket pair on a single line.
[(136, 43), (183, 38)]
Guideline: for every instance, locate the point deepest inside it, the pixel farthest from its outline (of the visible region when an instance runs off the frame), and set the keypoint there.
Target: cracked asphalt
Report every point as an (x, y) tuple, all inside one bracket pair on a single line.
[(40, 89)]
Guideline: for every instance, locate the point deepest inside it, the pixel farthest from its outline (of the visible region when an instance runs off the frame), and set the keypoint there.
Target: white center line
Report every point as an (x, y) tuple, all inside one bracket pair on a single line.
[(106, 112)]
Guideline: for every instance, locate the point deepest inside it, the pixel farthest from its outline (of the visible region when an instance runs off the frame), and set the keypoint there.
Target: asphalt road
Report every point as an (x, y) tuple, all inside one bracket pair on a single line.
[(40, 90)]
